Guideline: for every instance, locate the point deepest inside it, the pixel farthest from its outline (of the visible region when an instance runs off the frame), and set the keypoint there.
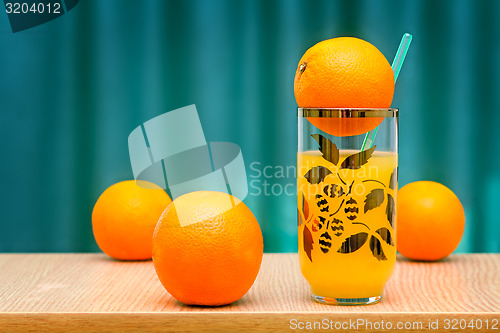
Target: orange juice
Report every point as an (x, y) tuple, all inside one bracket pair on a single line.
[(346, 214)]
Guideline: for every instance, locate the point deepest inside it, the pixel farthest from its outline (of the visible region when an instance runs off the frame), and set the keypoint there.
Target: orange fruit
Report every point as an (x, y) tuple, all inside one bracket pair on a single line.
[(430, 219), (211, 254), (345, 126), (125, 216), (344, 72)]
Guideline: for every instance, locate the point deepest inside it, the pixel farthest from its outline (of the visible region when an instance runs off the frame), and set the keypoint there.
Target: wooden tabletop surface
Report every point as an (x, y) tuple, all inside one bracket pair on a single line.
[(90, 292)]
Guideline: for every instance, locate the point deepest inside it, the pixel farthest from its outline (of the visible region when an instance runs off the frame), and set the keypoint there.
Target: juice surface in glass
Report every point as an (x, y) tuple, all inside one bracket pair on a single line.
[(346, 215)]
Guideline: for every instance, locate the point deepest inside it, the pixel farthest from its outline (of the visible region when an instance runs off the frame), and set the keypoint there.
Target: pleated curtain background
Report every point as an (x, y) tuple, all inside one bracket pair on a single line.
[(74, 88)]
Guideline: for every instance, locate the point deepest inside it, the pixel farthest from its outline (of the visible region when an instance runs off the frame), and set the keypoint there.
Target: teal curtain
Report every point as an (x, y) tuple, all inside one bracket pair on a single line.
[(74, 88)]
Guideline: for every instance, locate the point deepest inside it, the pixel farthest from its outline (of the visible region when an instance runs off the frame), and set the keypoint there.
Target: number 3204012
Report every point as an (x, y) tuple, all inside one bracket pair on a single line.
[(35, 8), (462, 324)]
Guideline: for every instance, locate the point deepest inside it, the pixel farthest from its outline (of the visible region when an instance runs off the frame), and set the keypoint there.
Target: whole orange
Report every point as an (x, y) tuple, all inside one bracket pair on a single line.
[(344, 72), (430, 219), (125, 216), (207, 248)]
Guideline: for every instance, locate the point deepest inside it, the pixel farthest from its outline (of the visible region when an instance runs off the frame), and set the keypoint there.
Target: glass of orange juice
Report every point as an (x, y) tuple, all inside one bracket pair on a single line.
[(347, 192)]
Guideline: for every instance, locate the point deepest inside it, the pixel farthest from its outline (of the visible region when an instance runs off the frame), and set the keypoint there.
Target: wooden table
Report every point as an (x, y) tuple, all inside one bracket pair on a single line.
[(90, 292)]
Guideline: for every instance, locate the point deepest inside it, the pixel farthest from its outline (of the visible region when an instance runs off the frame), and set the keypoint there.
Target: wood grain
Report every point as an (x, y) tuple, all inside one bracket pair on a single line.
[(90, 292)]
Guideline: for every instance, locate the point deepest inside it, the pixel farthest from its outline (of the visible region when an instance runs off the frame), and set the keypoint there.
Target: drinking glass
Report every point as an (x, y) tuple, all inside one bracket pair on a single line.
[(347, 180)]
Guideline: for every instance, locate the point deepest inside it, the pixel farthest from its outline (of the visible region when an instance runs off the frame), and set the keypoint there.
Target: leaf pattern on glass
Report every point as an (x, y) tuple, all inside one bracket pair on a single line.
[(393, 182), (376, 248), (308, 242), (389, 210), (385, 234), (305, 207), (317, 174), (328, 148), (357, 160), (299, 217), (353, 243), (374, 199)]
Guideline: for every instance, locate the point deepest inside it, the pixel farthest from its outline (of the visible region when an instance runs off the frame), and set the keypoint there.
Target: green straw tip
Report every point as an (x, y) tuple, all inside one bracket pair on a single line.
[(401, 54), (396, 68)]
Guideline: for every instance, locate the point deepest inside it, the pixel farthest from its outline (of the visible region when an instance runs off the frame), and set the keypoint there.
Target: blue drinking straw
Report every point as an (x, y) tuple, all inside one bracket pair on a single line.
[(396, 68)]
